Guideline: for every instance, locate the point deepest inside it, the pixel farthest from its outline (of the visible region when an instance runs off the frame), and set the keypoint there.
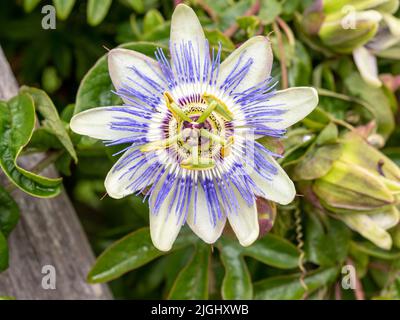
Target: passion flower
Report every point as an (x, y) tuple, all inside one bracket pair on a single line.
[(191, 124)]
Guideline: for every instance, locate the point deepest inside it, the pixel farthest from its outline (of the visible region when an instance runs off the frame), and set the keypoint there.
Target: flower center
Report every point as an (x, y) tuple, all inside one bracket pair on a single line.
[(198, 135)]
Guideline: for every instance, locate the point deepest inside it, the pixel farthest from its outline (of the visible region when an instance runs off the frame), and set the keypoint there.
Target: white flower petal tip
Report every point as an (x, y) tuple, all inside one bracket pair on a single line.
[(165, 240), (119, 180), (367, 66), (185, 26), (258, 49), (165, 224), (113, 187), (164, 230), (121, 61), (280, 189), (298, 103), (244, 222), (250, 238), (93, 123), (201, 223)]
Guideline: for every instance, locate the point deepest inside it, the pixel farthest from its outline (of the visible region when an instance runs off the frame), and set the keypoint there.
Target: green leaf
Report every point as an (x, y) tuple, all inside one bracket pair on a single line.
[(152, 20), (30, 5), (95, 88), (374, 251), (192, 281), (289, 287), (376, 101), (17, 120), (317, 119), (326, 245), (274, 251), (43, 140), (3, 252), (63, 8), (237, 281), (215, 37), (328, 135), (137, 5), (300, 72), (51, 81), (52, 120), (249, 24), (9, 213), (129, 253), (97, 11), (270, 9)]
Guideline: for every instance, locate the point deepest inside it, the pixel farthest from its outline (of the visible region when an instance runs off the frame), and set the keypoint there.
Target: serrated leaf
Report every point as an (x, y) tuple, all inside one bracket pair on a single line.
[(63, 8), (96, 88), (17, 120), (52, 120), (192, 281), (288, 287), (9, 212), (97, 11)]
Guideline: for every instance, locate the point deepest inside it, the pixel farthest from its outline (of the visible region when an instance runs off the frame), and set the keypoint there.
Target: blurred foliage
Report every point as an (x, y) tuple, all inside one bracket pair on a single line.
[(348, 211)]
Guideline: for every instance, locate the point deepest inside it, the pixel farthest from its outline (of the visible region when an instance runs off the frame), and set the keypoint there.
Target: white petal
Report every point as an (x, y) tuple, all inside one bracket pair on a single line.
[(367, 65), (96, 123), (118, 182), (202, 224), (186, 27), (298, 103), (259, 50), (165, 225), (120, 63), (244, 222), (280, 189)]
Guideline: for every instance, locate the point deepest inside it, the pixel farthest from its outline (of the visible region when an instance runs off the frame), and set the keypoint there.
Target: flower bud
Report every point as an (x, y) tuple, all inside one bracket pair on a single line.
[(343, 33), (390, 6), (362, 188)]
